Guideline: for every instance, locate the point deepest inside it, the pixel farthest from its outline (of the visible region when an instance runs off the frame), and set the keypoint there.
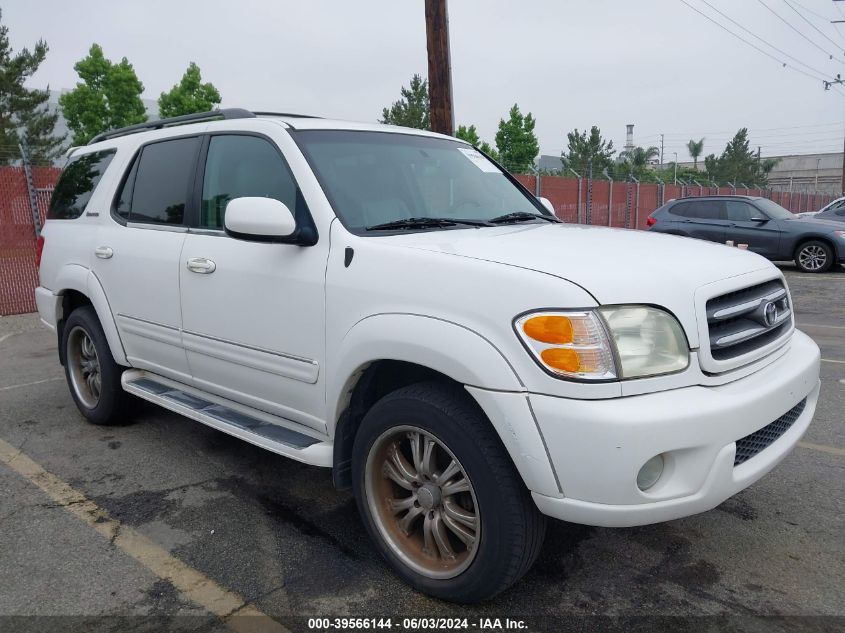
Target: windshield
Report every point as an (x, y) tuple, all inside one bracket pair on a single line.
[(774, 210), (373, 178)]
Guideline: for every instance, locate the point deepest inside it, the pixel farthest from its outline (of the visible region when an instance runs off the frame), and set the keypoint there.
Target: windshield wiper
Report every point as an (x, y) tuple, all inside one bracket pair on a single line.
[(423, 222), (521, 216)]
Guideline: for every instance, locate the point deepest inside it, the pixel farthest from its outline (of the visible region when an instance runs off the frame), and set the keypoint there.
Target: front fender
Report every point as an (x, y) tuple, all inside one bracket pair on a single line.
[(464, 356), (451, 349)]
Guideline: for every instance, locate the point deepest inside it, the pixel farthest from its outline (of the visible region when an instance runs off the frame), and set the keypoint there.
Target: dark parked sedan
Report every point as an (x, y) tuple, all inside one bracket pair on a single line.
[(835, 211), (767, 228)]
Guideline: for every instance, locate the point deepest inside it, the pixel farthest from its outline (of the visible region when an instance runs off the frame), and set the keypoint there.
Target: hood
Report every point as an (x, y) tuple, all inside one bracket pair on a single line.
[(615, 266), (814, 223)]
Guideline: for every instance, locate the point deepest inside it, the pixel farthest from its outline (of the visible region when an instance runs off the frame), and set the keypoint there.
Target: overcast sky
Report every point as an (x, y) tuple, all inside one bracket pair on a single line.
[(572, 63)]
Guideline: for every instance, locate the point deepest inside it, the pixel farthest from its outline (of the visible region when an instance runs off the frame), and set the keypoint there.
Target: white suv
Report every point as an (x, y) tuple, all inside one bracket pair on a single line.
[(389, 303)]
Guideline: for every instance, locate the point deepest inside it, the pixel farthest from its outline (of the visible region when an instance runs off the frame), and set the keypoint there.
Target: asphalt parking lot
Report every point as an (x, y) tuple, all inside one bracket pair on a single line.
[(171, 520)]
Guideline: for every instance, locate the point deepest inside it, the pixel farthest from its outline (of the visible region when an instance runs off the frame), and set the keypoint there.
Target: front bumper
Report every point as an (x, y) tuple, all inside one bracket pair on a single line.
[(598, 447)]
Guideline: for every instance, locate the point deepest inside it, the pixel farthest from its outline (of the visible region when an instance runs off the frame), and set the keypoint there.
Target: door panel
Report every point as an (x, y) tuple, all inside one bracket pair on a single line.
[(762, 238), (138, 262), (254, 328), (703, 219)]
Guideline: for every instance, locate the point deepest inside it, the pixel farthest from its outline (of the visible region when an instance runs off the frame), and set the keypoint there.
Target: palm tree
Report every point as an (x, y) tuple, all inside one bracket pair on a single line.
[(639, 156), (695, 149)]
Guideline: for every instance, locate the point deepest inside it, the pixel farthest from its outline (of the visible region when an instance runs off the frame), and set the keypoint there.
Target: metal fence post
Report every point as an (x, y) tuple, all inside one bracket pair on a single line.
[(590, 194), (610, 202), (30, 188), (637, 209), (580, 180)]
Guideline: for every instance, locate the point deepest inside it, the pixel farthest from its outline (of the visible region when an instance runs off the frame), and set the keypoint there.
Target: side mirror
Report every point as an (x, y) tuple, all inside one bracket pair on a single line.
[(259, 220), (548, 204), (759, 220)]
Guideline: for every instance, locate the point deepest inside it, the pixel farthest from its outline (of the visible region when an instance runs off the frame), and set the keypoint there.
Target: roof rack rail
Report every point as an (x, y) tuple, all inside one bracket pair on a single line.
[(288, 114), (197, 117)]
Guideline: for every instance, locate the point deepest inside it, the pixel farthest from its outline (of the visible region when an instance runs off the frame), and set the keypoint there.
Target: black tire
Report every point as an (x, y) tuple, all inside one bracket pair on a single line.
[(110, 405), (814, 256), (511, 527)]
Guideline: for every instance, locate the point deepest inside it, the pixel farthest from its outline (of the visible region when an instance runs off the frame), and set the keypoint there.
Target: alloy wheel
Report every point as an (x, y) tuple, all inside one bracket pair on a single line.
[(812, 257), (84, 366), (423, 502)]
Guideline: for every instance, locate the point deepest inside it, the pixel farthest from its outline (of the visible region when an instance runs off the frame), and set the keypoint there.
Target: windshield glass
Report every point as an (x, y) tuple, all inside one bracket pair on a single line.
[(372, 178), (774, 210)]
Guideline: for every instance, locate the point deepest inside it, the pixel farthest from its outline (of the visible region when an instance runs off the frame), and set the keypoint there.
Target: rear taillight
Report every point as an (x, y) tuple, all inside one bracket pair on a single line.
[(39, 249), (651, 221)]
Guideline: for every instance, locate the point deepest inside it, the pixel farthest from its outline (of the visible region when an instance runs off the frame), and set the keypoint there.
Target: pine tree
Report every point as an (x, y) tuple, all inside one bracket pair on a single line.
[(24, 115), (413, 109)]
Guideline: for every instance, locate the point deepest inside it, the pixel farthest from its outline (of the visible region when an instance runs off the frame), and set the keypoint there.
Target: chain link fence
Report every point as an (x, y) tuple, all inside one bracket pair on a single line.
[(24, 199), (628, 204)]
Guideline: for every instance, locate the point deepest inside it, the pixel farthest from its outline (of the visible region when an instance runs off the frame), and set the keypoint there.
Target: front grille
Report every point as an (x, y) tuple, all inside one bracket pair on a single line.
[(750, 445), (745, 320)]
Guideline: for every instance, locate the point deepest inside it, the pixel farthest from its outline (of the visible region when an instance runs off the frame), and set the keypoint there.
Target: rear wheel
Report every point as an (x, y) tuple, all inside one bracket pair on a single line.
[(92, 374), (440, 496), (814, 257)]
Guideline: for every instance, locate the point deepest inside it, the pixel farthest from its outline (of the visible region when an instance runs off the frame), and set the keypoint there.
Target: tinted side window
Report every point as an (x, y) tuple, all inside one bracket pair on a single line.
[(699, 209), (160, 186), (76, 184), (741, 211), (239, 166)]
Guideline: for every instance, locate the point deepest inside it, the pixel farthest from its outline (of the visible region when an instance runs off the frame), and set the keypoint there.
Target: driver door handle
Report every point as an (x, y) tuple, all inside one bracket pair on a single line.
[(104, 252), (201, 265)]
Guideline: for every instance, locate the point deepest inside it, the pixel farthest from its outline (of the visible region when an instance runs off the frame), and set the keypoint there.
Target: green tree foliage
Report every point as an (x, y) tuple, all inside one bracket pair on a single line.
[(189, 95), (738, 164), (24, 116), (470, 135), (109, 96), (636, 161), (413, 109), (516, 141), (695, 148), (584, 150)]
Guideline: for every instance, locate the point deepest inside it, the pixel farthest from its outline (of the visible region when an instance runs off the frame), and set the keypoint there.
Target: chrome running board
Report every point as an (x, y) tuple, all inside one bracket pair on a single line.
[(276, 434)]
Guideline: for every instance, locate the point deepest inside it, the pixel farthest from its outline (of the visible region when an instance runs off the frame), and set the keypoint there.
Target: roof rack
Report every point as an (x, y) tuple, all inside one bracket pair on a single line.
[(287, 114), (197, 117)]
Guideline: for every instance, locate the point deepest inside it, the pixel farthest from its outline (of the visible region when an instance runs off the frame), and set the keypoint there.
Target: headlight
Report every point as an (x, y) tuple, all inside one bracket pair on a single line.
[(611, 342), (648, 341)]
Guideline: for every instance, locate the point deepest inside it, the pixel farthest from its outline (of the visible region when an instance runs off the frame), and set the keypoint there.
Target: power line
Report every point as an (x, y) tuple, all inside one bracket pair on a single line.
[(790, 25), (752, 34), (801, 15), (752, 45)]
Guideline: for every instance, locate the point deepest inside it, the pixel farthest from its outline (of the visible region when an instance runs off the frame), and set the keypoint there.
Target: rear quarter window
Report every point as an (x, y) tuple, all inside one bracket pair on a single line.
[(77, 183)]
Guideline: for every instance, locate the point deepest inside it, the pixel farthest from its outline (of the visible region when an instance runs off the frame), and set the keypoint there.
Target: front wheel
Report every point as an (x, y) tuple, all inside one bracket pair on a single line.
[(440, 496), (814, 257)]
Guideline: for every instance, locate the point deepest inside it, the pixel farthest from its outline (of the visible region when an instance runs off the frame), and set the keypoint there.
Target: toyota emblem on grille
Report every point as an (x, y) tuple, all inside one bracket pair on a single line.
[(770, 313)]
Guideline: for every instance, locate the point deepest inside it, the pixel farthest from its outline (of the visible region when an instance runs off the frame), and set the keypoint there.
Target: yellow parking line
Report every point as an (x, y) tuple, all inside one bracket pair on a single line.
[(235, 612), (833, 327), (824, 448), (830, 360)]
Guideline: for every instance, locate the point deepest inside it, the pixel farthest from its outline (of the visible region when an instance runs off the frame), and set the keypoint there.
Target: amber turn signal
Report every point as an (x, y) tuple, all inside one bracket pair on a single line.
[(561, 358), (549, 329)]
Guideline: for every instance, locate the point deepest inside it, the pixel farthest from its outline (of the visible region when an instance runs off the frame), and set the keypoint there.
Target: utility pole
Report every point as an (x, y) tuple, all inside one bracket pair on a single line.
[(661, 151), (843, 169), (439, 67)]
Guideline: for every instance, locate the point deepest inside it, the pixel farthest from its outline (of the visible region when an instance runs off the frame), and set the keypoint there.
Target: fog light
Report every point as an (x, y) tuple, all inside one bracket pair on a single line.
[(650, 472)]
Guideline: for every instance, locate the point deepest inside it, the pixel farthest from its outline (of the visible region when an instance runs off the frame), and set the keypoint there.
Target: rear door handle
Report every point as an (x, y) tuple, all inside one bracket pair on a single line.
[(201, 265), (104, 252)]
